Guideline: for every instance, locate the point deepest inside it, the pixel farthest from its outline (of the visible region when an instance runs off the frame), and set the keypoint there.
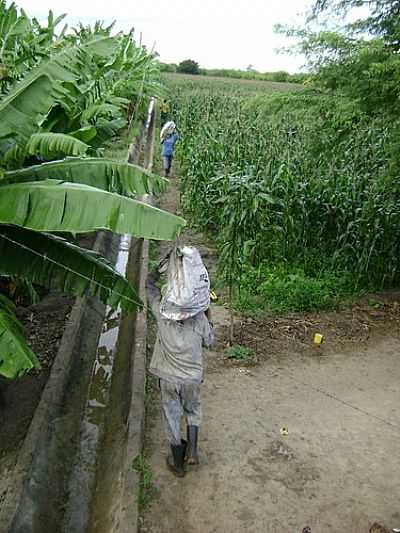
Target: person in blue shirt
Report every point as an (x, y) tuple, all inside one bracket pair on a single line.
[(168, 137)]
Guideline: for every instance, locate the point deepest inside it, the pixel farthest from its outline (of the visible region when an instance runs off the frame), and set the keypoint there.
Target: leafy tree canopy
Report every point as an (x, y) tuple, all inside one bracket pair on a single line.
[(188, 66), (359, 59)]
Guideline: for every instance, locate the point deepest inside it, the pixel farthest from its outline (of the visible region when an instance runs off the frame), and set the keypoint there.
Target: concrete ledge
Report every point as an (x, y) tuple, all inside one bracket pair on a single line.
[(37, 490), (49, 460), (136, 419)]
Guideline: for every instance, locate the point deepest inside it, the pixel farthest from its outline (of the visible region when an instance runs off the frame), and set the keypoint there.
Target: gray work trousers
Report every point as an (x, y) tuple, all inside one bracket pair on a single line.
[(179, 400)]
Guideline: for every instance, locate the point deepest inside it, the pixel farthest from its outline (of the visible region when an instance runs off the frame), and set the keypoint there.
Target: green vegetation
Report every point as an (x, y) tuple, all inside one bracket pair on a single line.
[(239, 353), (146, 485), (301, 189), (62, 97), (280, 289), (250, 74), (188, 66)]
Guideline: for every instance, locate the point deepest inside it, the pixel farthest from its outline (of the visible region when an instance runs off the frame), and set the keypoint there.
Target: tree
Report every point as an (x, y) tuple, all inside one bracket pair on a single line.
[(383, 19), (188, 66), (360, 59)]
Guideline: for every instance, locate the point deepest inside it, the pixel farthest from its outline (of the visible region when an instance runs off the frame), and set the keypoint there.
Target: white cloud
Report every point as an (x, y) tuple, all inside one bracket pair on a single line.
[(216, 33)]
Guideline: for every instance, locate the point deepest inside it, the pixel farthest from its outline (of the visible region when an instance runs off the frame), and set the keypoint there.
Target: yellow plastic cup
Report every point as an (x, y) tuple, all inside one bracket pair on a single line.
[(318, 338)]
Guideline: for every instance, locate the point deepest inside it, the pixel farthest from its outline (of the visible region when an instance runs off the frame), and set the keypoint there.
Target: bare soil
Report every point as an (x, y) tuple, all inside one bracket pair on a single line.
[(295, 436), (44, 325)]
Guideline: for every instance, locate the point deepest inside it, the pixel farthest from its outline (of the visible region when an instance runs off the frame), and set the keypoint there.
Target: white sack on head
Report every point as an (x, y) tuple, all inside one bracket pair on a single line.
[(168, 128), (188, 289)]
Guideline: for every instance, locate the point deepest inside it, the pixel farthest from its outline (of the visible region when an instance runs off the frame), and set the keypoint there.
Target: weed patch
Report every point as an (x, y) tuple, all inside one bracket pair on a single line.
[(146, 486), (285, 290), (239, 353)]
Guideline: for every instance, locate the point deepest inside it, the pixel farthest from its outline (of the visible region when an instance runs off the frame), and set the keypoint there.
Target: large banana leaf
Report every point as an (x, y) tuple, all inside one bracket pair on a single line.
[(106, 174), (21, 110), (84, 134), (34, 96), (55, 263), (15, 355), (57, 206), (51, 145), (107, 129), (100, 109)]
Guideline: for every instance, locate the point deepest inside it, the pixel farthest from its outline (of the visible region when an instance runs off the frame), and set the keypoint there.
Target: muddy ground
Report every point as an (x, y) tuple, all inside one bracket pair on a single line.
[(336, 469), (44, 324)]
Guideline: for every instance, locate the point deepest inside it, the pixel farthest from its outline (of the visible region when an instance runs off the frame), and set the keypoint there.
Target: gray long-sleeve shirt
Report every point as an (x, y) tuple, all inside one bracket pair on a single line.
[(177, 355)]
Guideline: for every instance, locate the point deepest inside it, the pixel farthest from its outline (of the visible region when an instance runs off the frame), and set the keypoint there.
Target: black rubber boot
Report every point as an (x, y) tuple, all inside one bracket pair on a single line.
[(176, 461), (192, 456)]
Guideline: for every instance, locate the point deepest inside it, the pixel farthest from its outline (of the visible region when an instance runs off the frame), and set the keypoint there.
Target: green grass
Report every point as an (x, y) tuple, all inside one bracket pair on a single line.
[(146, 486), (281, 289), (239, 353)]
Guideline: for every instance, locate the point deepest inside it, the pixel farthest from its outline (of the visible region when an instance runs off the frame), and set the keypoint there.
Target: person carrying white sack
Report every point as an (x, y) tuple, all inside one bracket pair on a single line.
[(168, 138), (184, 327)]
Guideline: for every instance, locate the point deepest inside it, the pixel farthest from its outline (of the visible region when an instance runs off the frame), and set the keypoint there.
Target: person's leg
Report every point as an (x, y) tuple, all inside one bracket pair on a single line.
[(166, 165), (172, 414), (192, 409)]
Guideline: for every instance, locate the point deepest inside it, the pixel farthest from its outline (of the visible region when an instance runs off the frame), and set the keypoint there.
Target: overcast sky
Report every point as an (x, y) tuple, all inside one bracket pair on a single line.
[(216, 33)]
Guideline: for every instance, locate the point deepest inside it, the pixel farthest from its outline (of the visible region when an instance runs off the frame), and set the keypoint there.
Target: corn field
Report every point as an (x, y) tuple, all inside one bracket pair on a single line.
[(290, 182)]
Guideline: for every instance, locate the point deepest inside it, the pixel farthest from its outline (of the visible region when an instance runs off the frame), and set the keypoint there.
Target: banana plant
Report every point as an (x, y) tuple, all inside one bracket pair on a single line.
[(68, 102), (23, 42), (31, 210)]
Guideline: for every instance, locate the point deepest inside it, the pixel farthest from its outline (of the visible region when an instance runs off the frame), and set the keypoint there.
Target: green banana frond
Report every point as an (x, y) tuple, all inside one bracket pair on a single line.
[(84, 134), (16, 357), (100, 110), (21, 110), (11, 24), (56, 206), (51, 145), (106, 174), (32, 98), (106, 130), (55, 263)]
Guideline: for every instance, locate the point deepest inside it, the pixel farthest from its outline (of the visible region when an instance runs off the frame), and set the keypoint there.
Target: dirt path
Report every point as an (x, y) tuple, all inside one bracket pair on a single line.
[(337, 470)]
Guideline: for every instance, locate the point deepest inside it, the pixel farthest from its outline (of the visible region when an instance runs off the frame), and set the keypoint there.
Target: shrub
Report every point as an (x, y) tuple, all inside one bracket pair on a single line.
[(188, 66), (281, 289)]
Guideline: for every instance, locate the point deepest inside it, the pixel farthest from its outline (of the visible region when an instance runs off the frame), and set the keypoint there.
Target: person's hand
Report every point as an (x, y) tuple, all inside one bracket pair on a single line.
[(207, 312), (163, 264)]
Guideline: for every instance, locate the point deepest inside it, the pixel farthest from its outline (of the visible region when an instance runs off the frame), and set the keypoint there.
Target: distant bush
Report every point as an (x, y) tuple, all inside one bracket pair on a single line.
[(188, 66), (191, 67), (168, 67), (279, 76)]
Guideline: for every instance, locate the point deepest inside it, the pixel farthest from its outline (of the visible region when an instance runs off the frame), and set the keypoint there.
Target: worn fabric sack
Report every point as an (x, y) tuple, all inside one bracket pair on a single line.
[(188, 288), (168, 128)]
